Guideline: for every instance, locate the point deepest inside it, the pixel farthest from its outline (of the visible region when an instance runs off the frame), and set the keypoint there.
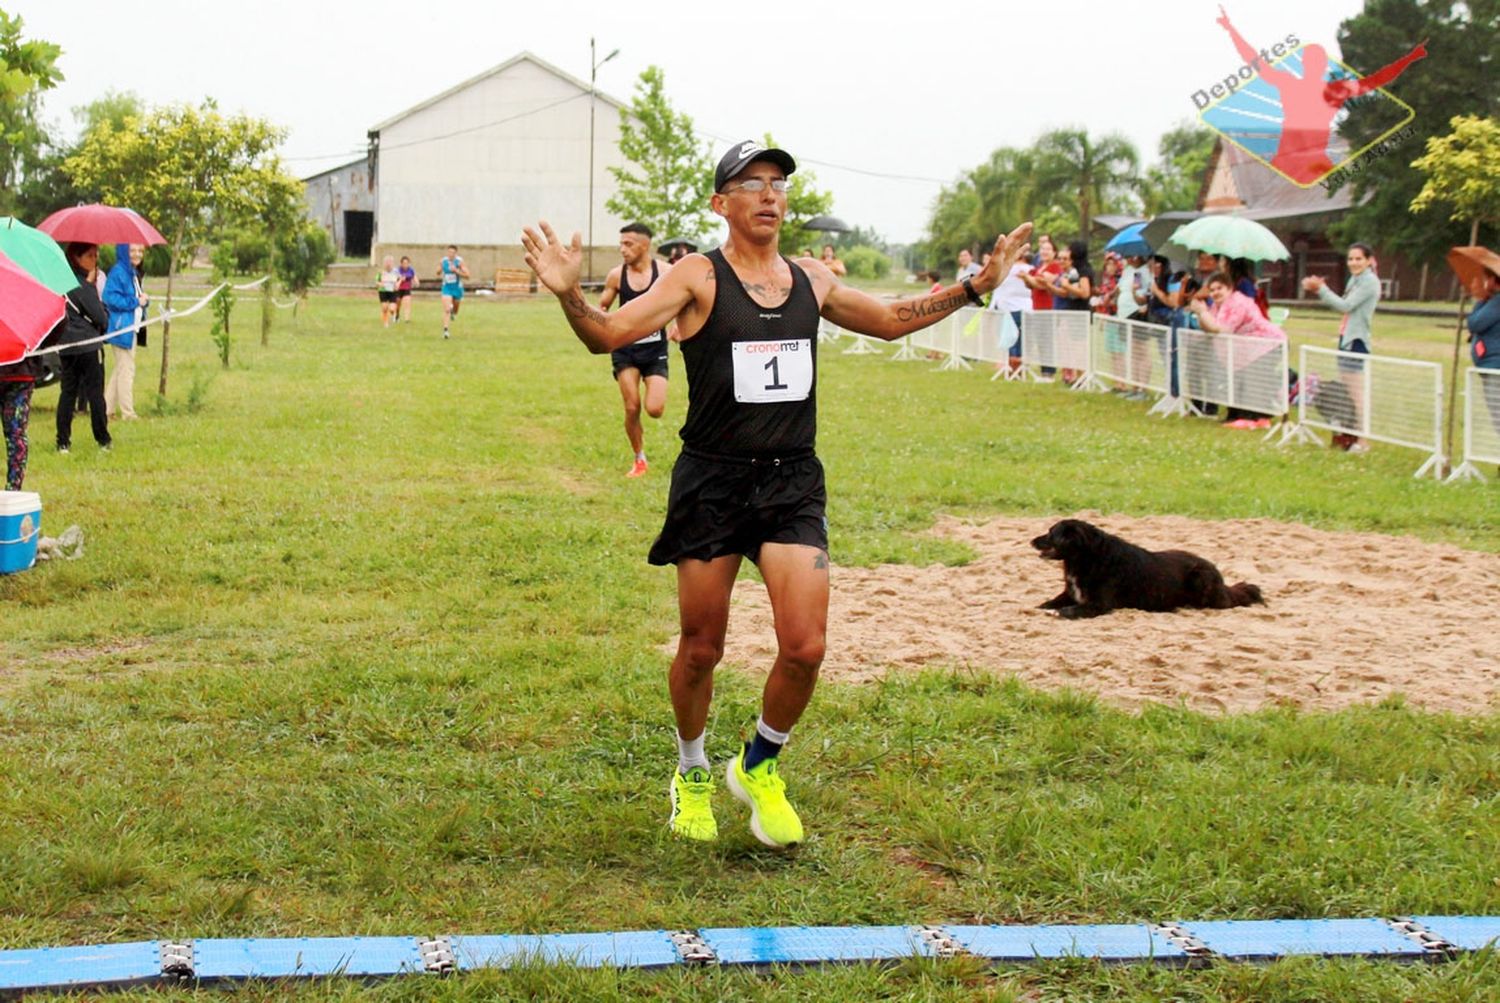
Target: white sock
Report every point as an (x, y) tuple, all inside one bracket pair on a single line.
[(690, 754), (640, 457), (770, 734)]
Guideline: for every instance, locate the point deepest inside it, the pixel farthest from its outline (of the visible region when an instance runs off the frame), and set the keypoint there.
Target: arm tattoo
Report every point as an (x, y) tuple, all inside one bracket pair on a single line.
[(932, 307), (578, 308)]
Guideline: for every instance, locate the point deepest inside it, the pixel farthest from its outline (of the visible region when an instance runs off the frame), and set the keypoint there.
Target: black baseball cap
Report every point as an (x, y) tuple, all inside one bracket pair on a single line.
[(741, 155)]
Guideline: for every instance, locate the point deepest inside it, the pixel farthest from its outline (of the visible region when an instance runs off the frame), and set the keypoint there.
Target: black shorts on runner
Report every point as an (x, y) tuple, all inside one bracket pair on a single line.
[(650, 359), (387, 295), (401, 294), (721, 505)]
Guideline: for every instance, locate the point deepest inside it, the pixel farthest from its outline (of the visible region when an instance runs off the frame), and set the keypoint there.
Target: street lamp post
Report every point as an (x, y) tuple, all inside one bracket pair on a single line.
[(593, 75)]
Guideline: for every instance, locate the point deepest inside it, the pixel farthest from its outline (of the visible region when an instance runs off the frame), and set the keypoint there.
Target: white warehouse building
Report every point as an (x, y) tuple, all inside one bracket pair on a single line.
[(479, 161)]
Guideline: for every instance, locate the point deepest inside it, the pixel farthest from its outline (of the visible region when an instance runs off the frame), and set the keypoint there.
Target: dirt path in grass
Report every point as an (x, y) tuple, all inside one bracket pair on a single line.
[(1352, 618)]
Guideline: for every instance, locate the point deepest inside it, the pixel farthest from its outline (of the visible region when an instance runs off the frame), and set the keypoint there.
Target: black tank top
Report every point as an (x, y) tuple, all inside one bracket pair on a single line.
[(627, 294), (752, 371)]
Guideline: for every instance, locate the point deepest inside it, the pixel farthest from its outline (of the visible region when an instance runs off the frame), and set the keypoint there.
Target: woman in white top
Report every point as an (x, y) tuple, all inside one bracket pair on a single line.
[(1010, 299)]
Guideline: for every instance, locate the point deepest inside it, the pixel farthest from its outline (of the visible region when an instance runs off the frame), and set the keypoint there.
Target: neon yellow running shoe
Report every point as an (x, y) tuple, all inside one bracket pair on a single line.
[(773, 820), (692, 805)]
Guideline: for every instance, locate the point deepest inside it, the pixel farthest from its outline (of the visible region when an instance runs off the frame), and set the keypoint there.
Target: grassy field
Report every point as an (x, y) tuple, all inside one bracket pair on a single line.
[(364, 642)]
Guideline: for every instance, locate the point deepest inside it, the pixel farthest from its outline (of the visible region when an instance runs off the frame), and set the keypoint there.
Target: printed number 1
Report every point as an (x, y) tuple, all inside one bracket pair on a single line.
[(775, 383)]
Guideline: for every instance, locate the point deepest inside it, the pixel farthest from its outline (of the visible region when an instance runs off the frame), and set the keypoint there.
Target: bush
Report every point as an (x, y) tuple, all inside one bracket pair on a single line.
[(242, 252), (302, 258), (866, 263)]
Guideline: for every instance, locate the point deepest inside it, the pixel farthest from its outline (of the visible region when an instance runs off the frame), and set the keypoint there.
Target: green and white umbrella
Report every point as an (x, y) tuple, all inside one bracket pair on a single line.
[(1232, 236), (37, 254)]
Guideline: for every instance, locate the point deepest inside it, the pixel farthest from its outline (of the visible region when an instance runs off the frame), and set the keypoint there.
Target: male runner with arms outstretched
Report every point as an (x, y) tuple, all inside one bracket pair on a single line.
[(747, 483)]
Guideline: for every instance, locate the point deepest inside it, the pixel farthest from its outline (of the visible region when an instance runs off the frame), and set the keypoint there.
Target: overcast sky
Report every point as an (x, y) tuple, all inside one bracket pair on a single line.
[(884, 102)]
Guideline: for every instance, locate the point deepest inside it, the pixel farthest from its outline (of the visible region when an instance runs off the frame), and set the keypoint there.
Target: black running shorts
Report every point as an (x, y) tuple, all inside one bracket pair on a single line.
[(650, 359), (724, 505)]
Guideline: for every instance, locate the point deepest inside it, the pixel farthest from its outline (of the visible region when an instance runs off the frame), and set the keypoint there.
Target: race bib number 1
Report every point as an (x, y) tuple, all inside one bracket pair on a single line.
[(772, 372)]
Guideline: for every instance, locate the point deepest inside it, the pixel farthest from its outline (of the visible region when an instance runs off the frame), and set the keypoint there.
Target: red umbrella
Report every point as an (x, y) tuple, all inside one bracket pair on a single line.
[(100, 224), (28, 310)]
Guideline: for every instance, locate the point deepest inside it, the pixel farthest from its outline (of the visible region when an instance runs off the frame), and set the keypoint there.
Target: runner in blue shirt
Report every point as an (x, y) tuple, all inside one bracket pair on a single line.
[(452, 271)]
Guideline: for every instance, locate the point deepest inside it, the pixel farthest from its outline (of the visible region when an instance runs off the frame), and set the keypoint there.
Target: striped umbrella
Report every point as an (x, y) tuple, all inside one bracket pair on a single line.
[(28, 310)]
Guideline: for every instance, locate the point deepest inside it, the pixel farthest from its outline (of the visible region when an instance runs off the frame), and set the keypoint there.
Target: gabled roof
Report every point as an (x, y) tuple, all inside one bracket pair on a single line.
[(1263, 194), (335, 170), (582, 85)]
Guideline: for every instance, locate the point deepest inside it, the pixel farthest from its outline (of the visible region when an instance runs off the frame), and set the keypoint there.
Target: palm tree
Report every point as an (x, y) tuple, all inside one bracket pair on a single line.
[(1091, 170)]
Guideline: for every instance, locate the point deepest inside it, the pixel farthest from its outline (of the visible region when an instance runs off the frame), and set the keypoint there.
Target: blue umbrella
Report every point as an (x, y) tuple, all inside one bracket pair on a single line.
[(1129, 241)]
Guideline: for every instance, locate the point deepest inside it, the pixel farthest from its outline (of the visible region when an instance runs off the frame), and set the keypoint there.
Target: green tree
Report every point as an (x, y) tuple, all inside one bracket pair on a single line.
[(27, 68), (1173, 182), (1463, 171), (668, 175), (1091, 171), (303, 254), (188, 170), (1456, 78)]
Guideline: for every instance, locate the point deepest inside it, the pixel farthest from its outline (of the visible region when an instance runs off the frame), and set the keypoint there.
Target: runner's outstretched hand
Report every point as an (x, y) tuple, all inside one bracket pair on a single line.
[(557, 265), (1009, 249)]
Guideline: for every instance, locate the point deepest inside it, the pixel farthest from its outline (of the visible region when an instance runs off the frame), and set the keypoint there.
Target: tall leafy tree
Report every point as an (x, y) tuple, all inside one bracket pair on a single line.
[(187, 169), (1457, 78), (1462, 171), (668, 173), (27, 68), (1092, 170), (1173, 182)]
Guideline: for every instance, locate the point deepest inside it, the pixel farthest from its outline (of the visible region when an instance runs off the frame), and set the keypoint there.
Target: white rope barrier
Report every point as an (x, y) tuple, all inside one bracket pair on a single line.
[(161, 317), (1376, 397), (1481, 424)]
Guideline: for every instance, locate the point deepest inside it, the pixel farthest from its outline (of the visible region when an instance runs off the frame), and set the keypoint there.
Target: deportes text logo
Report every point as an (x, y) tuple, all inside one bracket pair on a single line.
[(1284, 106)]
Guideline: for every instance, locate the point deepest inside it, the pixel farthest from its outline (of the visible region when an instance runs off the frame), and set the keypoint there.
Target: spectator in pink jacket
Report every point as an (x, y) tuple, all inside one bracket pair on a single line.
[(1255, 362)]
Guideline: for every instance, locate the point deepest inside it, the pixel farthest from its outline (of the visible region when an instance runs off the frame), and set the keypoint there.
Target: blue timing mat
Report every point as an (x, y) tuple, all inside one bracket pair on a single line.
[(75, 967), (1468, 933), (305, 957), (118, 966), (1278, 938), (802, 945), (1119, 942), (643, 949)]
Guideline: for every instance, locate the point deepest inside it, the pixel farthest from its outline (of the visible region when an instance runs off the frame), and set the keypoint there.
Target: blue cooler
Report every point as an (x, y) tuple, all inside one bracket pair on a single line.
[(20, 529)]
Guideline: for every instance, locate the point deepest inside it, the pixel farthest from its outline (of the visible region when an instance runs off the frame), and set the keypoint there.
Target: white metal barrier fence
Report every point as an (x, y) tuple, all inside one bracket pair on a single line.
[(1377, 397), (1054, 339), (1132, 353), (1233, 370), (1481, 423)]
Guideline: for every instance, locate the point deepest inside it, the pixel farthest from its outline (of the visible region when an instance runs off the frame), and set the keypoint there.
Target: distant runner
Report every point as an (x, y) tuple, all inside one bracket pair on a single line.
[(452, 271), (645, 361)]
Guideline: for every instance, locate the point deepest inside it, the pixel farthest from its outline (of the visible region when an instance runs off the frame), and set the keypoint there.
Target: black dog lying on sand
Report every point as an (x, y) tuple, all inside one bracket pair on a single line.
[(1103, 572)]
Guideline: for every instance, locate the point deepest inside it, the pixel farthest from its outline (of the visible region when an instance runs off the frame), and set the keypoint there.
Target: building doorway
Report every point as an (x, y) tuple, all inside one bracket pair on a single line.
[(359, 233)]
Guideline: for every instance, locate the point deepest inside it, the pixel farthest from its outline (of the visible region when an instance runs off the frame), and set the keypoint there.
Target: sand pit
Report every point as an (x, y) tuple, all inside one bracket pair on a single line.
[(1352, 618)]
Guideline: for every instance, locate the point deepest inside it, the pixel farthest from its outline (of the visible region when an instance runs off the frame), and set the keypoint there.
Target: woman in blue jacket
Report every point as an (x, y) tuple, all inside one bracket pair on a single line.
[(1484, 339), (126, 302)]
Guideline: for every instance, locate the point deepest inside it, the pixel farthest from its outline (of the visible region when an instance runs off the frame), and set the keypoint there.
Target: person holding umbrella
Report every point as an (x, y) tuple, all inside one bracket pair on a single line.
[(1484, 323), (126, 302), (82, 364)]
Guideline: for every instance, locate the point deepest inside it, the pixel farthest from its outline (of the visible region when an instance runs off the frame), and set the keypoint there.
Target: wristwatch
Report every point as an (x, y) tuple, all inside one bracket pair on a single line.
[(974, 297)]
